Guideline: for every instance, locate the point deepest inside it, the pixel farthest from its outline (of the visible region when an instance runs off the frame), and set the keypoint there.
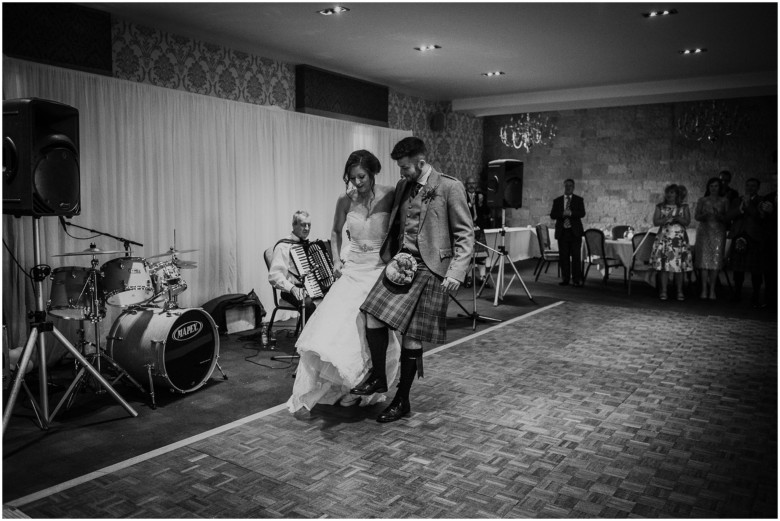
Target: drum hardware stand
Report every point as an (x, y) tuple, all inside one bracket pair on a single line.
[(474, 316), (38, 326), (503, 255)]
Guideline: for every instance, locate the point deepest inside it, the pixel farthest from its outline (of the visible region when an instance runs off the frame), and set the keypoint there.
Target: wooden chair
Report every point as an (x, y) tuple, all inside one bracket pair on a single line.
[(643, 248), (548, 255), (595, 248)]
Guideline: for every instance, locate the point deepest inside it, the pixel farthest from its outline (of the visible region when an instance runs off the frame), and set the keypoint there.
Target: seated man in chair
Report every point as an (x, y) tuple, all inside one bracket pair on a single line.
[(283, 274)]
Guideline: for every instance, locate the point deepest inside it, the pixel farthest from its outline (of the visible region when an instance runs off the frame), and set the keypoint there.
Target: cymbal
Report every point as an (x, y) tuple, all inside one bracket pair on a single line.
[(185, 265), (92, 251), (170, 252)]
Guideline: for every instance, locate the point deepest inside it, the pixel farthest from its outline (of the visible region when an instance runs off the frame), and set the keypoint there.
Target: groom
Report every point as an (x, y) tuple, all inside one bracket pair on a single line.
[(430, 220)]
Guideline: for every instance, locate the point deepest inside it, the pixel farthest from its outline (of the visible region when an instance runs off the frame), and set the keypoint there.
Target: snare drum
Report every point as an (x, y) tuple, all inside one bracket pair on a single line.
[(126, 281), (71, 296), (181, 346), (166, 279)]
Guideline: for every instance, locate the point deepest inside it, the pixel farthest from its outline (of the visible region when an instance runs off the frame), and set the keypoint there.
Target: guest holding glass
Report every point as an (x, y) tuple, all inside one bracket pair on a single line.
[(671, 253), (709, 251)]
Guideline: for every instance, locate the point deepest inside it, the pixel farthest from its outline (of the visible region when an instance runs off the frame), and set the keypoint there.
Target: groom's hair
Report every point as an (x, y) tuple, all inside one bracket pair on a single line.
[(408, 147)]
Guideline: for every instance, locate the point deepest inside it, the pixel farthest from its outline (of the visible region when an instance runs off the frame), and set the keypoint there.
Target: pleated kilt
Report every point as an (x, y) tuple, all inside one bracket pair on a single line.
[(418, 310)]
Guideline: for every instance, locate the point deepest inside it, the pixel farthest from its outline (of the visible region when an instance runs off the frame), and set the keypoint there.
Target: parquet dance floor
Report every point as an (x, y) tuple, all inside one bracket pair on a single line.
[(577, 410)]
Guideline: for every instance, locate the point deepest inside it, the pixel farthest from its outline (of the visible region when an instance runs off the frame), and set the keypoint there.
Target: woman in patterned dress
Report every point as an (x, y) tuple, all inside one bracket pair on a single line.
[(711, 212), (671, 253)]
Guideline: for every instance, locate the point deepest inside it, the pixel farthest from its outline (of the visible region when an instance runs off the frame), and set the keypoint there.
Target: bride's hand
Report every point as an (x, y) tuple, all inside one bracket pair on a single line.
[(337, 266)]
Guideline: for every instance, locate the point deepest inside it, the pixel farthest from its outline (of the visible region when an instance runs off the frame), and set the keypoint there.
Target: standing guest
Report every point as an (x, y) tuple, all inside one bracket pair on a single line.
[(333, 346), (731, 195), (283, 275), (568, 211), (671, 253), (480, 216), (430, 228), (709, 251), (747, 237)]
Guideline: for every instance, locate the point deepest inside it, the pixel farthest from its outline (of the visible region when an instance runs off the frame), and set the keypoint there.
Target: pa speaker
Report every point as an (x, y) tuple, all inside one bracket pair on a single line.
[(505, 184), (40, 158)]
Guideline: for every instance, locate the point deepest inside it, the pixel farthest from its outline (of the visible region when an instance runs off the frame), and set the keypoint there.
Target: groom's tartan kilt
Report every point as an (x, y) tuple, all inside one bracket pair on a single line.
[(418, 310)]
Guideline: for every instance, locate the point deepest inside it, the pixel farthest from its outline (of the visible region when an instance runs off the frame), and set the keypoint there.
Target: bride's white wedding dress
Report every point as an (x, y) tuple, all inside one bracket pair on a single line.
[(333, 348)]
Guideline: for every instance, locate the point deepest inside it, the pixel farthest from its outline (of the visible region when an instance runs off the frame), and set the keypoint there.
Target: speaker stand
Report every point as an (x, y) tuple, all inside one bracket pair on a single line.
[(38, 326), (503, 259)]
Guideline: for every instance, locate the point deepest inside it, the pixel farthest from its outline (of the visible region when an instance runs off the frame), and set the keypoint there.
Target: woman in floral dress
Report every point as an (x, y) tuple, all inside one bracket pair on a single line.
[(671, 253), (710, 245)]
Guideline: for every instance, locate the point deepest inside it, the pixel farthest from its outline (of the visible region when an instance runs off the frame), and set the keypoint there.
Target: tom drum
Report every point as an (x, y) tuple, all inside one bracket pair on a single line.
[(70, 296), (126, 281), (180, 345)]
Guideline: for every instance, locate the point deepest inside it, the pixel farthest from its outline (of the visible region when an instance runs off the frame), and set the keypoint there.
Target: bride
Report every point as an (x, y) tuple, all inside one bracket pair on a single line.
[(333, 348)]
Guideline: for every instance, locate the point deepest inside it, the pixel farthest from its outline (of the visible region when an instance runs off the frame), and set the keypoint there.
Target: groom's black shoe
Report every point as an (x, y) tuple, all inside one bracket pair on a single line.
[(397, 409), (372, 384)]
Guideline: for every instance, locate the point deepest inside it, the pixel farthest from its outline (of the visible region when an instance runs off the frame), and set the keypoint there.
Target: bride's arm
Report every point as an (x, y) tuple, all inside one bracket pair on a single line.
[(342, 207)]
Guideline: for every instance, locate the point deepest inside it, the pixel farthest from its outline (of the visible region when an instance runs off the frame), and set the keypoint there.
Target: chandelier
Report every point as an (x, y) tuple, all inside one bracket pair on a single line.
[(710, 122), (527, 131)]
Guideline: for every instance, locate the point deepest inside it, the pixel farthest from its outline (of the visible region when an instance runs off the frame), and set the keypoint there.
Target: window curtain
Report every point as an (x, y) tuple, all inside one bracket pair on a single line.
[(167, 169)]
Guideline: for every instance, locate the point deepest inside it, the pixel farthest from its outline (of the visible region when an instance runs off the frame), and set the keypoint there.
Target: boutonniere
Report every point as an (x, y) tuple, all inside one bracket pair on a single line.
[(428, 194)]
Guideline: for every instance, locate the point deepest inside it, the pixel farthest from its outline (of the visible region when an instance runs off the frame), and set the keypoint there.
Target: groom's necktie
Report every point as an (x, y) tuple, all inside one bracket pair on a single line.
[(416, 189)]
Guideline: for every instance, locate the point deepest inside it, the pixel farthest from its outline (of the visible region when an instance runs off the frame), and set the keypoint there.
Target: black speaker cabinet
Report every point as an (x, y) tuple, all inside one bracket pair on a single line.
[(505, 183), (40, 158)]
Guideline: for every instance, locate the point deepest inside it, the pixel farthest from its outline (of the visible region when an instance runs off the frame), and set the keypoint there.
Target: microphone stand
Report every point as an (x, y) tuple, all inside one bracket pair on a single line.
[(125, 242), (474, 316)]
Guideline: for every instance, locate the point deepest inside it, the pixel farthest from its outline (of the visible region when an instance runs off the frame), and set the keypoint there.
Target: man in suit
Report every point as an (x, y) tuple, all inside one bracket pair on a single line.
[(568, 211), (430, 221)]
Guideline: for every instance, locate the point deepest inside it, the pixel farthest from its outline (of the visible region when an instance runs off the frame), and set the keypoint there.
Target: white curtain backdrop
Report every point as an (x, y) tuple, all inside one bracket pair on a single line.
[(225, 176)]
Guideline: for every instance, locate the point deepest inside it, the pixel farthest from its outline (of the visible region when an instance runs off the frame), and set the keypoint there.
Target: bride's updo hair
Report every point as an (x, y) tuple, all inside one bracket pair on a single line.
[(365, 160)]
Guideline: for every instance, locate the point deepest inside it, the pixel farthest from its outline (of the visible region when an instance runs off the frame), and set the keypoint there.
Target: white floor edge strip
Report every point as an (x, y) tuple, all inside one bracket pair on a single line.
[(173, 446)]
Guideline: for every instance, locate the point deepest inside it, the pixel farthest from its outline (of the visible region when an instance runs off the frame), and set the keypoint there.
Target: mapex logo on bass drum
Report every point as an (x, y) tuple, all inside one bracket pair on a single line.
[(187, 330)]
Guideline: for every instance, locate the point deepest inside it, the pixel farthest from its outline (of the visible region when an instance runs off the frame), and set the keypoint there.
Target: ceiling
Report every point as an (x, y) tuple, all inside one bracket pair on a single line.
[(554, 55)]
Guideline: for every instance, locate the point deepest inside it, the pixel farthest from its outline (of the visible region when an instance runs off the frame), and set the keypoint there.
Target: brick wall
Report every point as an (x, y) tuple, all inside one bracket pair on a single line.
[(621, 158)]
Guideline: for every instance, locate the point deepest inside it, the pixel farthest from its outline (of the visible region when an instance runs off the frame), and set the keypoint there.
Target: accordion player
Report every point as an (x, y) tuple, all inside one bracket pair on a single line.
[(315, 267)]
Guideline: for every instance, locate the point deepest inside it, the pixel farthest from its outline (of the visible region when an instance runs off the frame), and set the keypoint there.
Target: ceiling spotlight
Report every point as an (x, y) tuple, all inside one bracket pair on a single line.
[(697, 50), (424, 48), (655, 14), (333, 10), (495, 73)]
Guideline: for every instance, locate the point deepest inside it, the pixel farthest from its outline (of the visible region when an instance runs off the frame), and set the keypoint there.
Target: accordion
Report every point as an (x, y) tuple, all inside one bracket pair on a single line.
[(315, 267)]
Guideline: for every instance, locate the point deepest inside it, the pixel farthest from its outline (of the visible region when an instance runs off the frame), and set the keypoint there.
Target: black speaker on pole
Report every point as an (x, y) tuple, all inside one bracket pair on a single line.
[(40, 158), (505, 183)]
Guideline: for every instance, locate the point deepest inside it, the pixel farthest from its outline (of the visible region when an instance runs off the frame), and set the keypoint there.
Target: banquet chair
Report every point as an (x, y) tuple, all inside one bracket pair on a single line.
[(595, 254), (279, 304), (548, 255), (619, 231), (640, 261)]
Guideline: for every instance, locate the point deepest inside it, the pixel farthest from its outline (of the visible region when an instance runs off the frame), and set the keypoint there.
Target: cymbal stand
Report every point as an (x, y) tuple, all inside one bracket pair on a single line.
[(38, 326), (95, 316), (503, 258), (474, 316)]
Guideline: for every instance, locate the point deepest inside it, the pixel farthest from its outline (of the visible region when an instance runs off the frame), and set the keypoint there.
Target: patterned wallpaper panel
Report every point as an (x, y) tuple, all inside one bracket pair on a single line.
[(147, 55), (456, 150)]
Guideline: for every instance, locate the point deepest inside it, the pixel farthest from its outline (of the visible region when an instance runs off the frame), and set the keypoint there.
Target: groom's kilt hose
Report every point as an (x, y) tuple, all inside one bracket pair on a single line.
[(417, 310)]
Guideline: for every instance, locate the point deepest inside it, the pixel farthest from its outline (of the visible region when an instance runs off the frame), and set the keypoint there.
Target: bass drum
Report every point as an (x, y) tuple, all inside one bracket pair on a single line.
[(180, 345)]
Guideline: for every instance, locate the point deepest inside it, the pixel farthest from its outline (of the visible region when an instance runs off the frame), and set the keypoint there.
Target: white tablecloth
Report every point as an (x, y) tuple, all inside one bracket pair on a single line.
[(521, 243)]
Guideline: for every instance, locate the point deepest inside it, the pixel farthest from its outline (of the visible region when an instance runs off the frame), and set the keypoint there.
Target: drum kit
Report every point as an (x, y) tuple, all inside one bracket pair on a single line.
[(152, 338)]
